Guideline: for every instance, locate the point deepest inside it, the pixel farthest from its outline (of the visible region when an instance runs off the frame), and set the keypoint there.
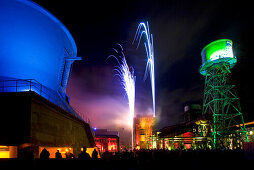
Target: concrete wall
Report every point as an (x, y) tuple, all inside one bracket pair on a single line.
[(53, 127), (46, 124)]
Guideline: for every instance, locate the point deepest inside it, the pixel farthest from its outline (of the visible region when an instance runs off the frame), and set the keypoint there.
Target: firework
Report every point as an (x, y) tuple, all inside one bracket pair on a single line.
[(127, 79), (143, 29)]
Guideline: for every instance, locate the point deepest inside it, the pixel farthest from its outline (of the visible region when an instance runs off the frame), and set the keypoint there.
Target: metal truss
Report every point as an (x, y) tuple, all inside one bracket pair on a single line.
[(222, 103)]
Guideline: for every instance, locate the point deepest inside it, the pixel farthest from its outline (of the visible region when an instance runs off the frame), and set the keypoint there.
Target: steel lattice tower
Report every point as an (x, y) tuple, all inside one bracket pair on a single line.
[(220, 98)]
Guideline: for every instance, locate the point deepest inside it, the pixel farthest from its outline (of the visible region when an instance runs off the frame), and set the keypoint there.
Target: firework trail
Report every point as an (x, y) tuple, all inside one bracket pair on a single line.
[(143, 29), (127, 79)]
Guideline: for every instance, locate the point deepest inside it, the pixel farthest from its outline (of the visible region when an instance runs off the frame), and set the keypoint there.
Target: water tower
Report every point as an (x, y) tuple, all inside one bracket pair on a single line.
[(220, 99)]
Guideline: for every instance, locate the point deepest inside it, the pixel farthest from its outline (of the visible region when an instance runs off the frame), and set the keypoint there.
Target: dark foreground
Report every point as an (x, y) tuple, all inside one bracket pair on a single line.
[(145, 159)]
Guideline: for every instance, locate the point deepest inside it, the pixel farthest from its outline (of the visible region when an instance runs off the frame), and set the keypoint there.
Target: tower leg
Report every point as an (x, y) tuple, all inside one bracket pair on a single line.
[(222, 105)]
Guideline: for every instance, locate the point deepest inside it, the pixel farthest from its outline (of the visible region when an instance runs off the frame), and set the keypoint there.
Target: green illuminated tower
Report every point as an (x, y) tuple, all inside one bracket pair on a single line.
[(220, 99)]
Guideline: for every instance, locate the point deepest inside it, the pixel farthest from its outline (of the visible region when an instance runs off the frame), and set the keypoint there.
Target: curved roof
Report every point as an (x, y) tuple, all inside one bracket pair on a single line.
[(34, 44), (53, 18)]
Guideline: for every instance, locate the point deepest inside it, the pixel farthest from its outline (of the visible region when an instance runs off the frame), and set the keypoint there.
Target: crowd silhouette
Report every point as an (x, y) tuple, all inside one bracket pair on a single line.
[(144, 159)]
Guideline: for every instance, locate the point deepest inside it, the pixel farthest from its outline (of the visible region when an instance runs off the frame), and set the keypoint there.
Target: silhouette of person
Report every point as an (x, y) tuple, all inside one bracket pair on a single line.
[(69, 155), (44, 154), (58, 154), (83, 155), (95, 154)]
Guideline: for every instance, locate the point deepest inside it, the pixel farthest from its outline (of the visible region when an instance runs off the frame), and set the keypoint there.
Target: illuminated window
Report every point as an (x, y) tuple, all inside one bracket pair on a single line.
[(8, 151), (194, 129), (4, 152)]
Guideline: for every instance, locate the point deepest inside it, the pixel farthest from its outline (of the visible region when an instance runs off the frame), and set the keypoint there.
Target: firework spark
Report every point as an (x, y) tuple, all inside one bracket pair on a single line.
[(127, 78), (143, 29)]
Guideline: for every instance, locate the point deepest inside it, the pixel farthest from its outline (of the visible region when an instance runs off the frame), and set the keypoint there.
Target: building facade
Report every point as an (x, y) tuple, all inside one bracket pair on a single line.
[(193, 133), (143, 132), (106, 140), (37, 52), (32, 123)]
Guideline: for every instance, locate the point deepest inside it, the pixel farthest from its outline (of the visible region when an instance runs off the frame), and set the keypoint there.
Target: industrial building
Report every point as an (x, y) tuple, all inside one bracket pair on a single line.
[(143, 132), (192, 133), (107, 140), (37, 52), (196, 132)]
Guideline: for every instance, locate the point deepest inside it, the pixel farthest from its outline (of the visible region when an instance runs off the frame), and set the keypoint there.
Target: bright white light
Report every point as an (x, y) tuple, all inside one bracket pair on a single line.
[(222, 54), (128, 83), (143, 29)]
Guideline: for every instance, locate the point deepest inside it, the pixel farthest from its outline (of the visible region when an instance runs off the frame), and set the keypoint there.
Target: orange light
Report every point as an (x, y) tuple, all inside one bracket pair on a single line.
[(188, 146), (4, 152), (144, 130), (53, 150), (248, 123)]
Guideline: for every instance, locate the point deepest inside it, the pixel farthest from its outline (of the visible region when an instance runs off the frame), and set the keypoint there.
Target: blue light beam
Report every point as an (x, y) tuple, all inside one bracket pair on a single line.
[(143, 29)]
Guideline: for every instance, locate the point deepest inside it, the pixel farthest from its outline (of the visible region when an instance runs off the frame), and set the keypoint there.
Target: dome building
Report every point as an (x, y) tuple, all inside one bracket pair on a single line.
[(37, 52)]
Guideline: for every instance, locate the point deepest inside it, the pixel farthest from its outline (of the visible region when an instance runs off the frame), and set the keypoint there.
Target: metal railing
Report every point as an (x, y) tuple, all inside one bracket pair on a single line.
[(23, 85)]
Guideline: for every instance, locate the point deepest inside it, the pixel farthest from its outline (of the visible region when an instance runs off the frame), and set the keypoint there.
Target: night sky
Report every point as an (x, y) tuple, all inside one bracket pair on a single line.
[(180, 29)]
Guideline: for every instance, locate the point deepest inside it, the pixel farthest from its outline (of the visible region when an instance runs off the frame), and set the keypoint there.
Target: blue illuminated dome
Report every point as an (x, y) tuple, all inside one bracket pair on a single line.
[(36, 50)]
